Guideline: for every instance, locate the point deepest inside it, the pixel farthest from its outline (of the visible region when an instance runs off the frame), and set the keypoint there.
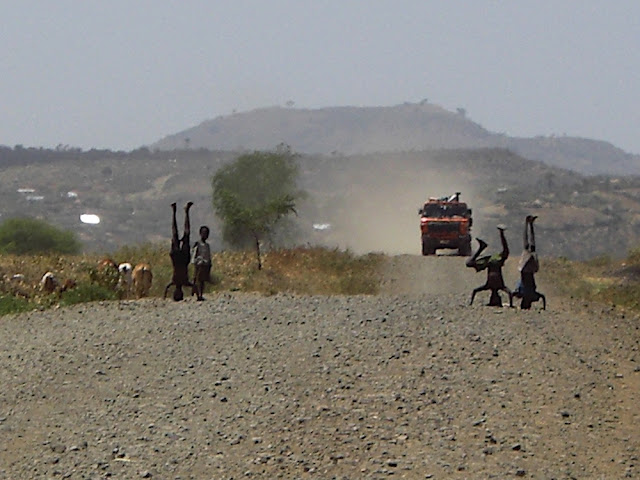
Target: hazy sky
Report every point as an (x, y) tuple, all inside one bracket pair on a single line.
[(120, 74)]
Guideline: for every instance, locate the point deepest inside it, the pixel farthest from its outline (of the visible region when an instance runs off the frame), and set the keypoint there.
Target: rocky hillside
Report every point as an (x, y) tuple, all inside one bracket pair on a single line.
[(407, 127), (367, 202)]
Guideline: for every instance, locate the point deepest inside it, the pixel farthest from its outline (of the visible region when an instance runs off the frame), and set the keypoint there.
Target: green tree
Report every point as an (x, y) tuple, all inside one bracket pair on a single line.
[(251, 194), (23, 236)]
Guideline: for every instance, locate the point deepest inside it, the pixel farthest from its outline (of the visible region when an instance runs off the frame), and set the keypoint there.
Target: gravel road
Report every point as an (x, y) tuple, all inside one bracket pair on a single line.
[(412, 383)]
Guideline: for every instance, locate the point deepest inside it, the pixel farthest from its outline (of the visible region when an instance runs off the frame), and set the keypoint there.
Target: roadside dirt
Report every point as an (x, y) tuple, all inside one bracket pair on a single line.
[(412, 383), (434, 275)]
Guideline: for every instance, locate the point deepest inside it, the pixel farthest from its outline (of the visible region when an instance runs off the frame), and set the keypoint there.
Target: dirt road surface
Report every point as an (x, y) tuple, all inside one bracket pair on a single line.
[(412, 383)]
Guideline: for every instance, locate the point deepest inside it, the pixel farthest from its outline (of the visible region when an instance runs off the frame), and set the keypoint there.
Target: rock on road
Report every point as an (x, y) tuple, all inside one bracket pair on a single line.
[(412, 383)]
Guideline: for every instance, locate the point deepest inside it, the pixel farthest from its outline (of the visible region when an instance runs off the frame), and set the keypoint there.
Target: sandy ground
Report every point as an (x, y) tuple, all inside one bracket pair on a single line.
[(412, 383)]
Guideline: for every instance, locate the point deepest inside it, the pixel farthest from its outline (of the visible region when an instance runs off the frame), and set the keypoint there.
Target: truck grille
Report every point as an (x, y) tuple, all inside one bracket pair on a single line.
[(443, 227)]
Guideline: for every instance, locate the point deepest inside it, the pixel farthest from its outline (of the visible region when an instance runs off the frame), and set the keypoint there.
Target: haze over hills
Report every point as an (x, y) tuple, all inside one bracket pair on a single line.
[(407, 127), (367, 171)]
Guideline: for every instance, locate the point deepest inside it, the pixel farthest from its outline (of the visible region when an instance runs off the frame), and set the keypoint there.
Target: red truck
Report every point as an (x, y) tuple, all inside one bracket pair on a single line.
[(445, 222)]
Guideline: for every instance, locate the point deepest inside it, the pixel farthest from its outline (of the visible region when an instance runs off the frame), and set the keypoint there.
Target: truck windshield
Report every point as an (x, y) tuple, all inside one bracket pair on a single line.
[(439, 210)]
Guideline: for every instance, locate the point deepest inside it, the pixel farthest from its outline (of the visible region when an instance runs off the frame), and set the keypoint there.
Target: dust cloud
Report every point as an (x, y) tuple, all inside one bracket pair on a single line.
[(379, 212)]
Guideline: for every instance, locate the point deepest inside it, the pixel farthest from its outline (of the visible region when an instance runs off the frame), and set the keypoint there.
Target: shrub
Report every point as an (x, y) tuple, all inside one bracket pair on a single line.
[(24, 236), (634, 256), (600, 261), (87, 293), (11, 304)]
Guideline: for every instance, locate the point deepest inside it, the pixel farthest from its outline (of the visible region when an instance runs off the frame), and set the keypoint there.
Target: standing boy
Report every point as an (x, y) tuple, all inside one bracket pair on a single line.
[(201, 258)]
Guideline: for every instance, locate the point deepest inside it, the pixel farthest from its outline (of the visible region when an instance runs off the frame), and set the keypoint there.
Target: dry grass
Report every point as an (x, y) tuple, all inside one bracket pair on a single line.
[(299, 270), (308, 270), (602, 279)]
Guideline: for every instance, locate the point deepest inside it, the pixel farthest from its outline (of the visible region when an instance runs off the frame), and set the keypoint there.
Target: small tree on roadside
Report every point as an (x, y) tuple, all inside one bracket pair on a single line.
[(251, 194), (24, 236)]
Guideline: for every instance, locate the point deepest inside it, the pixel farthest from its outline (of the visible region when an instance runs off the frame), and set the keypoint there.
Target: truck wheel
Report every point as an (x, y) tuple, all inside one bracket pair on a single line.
[(427, 250)]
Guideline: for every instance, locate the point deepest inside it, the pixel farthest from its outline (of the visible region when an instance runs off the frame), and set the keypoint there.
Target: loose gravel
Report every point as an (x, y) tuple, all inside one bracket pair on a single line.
[(412, 383)]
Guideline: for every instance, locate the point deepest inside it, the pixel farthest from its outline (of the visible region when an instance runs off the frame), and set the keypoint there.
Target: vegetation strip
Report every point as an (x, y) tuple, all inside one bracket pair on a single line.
[(308, 270)]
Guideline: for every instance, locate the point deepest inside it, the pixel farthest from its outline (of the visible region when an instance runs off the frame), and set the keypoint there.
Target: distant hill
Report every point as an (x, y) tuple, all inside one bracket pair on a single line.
[(407, 127)]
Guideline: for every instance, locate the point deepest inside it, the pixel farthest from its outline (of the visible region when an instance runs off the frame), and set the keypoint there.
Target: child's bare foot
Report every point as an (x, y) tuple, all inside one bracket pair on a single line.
[(188, 206)]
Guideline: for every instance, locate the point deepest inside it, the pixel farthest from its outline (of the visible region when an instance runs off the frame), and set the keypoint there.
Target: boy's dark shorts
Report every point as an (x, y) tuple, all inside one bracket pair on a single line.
[(203, 272)]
